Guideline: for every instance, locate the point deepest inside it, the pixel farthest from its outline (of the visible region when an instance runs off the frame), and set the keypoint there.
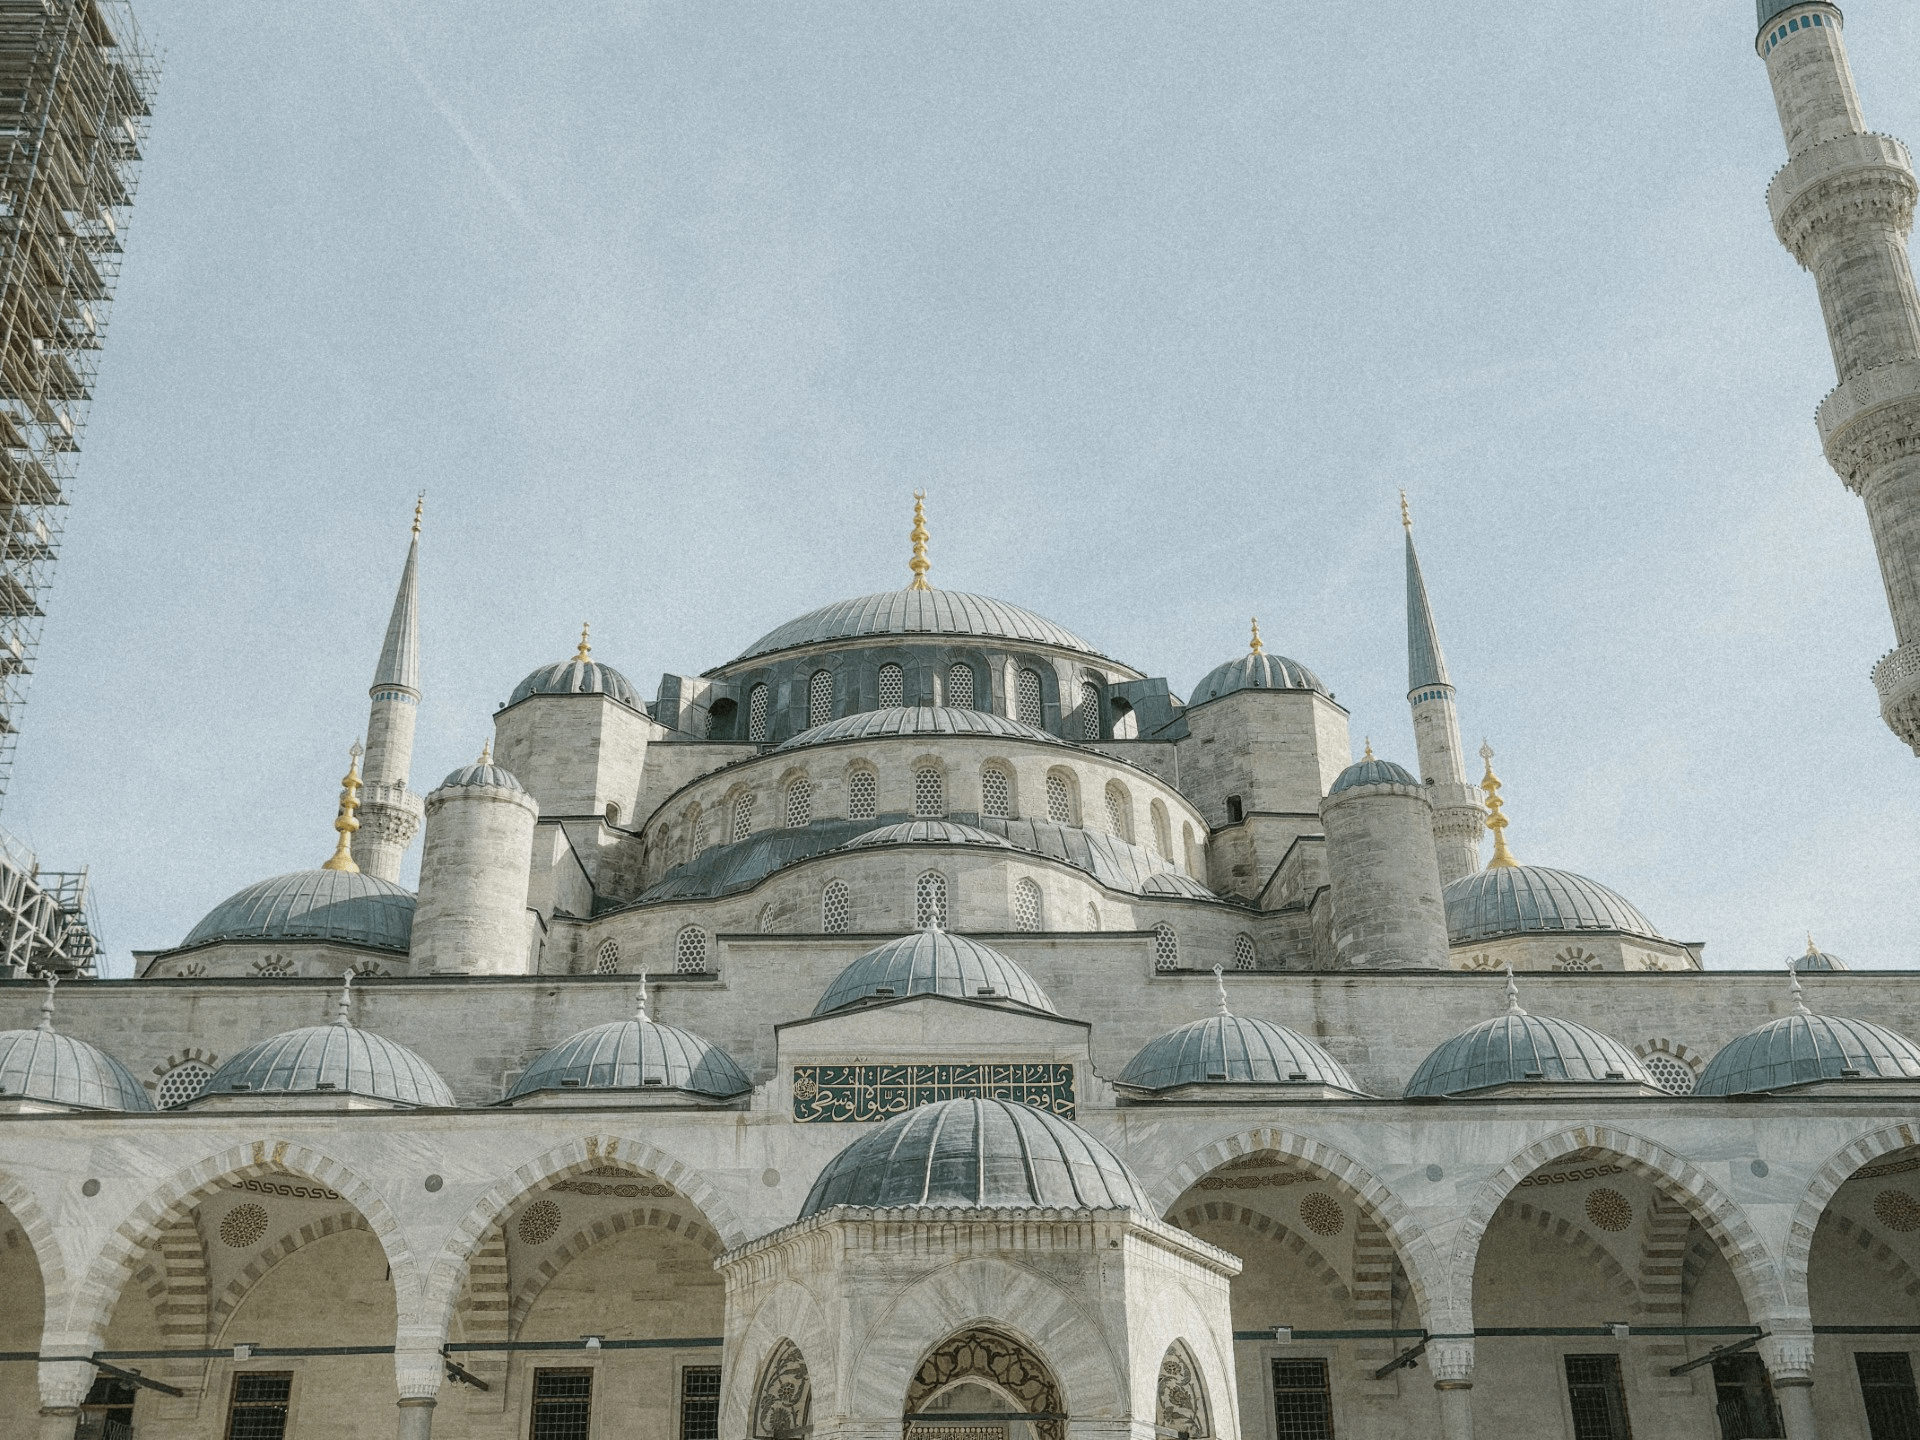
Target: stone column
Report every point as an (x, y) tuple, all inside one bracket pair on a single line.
[(63, 1385), (1452, 1364), (1789, 1357), (416, 1418), (417, 1370)]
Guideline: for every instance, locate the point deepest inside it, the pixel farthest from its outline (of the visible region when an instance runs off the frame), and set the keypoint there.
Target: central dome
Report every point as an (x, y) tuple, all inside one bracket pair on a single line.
[(1519, 899), (344, 905), (916, 612), (978, 1153)]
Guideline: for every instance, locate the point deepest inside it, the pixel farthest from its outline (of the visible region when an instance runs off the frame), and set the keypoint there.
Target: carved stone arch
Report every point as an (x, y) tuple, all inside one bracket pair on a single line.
[(987, 1353), (603, 1228), (38, 1230), (783, 1395), (792, 1310), (1268, 1228), (1577, 1239), (1182, 1408), (1839, 1168), (268, 1256), (1721, 1217), (175, 1280)]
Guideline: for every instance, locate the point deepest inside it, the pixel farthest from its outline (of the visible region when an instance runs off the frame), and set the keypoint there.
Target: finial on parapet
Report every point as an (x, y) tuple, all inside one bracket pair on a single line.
[(46, 1005), (920, 565), (1794, 990), (486, 753), (342, 857), (1812, 949), (1406, 515), (1369, 754), (343, 1007), (1513, 992), (1220, 985), (584, 652), (640, 1007), (419, 506), (1258, 647), (1496, 822)]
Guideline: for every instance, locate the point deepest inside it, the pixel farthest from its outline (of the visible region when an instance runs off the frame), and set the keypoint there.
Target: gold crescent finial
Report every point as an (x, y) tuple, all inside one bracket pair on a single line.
[(919, 564), (1259, 646), (1406, 515), (486, 753), (1812, 949), (419, 505), (1496, 822), (342, 858), (585, 651)]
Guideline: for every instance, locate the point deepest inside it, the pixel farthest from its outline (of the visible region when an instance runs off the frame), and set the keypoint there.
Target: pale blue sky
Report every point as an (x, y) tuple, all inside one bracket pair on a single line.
[(670, 307)]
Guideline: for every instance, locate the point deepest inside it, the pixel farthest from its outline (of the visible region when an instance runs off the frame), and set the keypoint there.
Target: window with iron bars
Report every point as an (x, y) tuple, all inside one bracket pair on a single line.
[(562, 1405)]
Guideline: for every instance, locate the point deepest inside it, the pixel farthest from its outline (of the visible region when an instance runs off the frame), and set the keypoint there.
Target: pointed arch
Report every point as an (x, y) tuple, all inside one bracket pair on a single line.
[(1839, 1168), (33, 1223), (1266, 1227), (268, 1256), (783, 1395), (988, 1354), (1182, 1408), (791, 1311), (603, 1228)]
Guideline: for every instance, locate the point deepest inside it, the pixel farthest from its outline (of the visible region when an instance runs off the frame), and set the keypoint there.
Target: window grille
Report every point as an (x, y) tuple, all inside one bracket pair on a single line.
[(1031, 711), (1302, 1400), (1597, 1398), (893, 686), (274, 965), (608, 961), (1166, 947), (690, 951), (930, 901), (1886, 1386), (107, 1412), (1743, 1397), (929, 793), (562, 1404), (836, 909), (700, 1402), (799, 804), (960, 687), (1089, 711), (862, 793), (1245, 955), (257, 1409), (1093, 916), (1670, 1073), (743, 817), (764, 924), (1162, 831), (819, 699), (699, 832), (1119, 811), (1059, 800), (1026, 906), (757, 714), (183, 1083), (996, 793)]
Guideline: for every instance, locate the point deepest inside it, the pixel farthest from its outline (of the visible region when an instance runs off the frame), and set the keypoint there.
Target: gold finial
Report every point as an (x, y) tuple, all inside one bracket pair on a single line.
[(486, 753), (1406, 515), (418, 506), (1220, 985), (1812, 949), (1496, 822), (1258, 647), (46, 1005), (919, 564), (585, 651), (344, 822), (1369, 754)]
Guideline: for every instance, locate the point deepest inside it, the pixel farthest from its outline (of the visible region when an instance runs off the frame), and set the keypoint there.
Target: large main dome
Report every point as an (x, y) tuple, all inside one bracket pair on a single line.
[(916, 612), (347, 906)]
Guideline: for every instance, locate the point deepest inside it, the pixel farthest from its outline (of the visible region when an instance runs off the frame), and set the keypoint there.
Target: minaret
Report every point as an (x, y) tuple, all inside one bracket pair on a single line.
[(1457, 816), (389, 812), (1843, 205)]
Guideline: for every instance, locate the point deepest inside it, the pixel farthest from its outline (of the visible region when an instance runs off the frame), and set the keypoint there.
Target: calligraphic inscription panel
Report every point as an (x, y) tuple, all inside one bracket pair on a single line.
[(875, 1092)]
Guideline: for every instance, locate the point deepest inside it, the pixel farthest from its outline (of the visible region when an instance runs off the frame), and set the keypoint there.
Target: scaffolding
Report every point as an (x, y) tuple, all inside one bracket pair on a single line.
[(47, 921)]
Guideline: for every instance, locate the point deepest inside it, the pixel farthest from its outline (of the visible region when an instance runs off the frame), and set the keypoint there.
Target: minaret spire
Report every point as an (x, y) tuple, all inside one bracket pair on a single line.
[(391, 813), (1457, 816)]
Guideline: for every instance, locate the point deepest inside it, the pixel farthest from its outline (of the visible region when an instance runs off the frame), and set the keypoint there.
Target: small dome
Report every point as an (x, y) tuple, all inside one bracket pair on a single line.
[(1371, 772), (347, 906), (1256, 672), (331, 1058), (933, 962), (1818, 959), (977, 1153), (44, 1065), (1522, 899), (634, 1055), (916, 720), (483, 772), (927, 832), (912, 613), (1515, 1048), (1800, 1048), (577, 677), (1233, 1050)]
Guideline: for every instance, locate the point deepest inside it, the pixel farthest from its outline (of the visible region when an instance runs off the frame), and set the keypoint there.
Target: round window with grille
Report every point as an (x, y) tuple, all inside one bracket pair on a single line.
[(1670, 1073), (862, 793), (929, 793), (1059, 800), (836, 908), (757, 714), (1166, 947), (819, 699), (182, 1083), (996, 793), (893, 687), (930, 901), (1026, 906), (607, 962), (1245, 957), (960, 687), (1032, 712), (690, 951), (800, 804), (273, 965)]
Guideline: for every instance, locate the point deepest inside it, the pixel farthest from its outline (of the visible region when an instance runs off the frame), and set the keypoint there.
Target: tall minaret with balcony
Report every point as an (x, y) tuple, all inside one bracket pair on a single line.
[(1458, 819), (390, 812), (1843, 205)]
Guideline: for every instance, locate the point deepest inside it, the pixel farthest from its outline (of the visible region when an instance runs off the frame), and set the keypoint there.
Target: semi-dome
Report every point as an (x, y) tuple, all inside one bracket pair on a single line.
[(917, 720), (1370, 771), (1229, 1049), (913, 612), (582, 675), (43, 1065), (927, 832), (347, 906), (1256, 671), (633, 1055), (331, 1059), (977, 1153), (1521, 899), (933, 962), (1172, 882), (1518, 1048), (1801, 1048)]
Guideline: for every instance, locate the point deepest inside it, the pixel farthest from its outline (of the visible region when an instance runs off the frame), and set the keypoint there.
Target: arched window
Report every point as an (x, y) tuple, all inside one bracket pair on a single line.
[(800, 803), (613, 813), (1245, 955), (1026, 906), (1192, 849), (1236, 812), (819, 699), (1089, 710), (1119, 810), (1162, 831), (929, 793), (1031, 711), (930, 901), (1166, 947), (893, 686), (1126, 725), (764, 923), (699, 831), (1059, 798), (743, 817), (1093, 916), (996, 793), (757, 714), (836, 908), (960, 686), (693, 837), (607, 962), (690, 951), (862, 793), (720, 720)]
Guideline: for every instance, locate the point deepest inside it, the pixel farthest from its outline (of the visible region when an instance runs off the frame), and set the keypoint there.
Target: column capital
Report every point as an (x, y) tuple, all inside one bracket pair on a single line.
[(1788, 1353), (1451, 1361)]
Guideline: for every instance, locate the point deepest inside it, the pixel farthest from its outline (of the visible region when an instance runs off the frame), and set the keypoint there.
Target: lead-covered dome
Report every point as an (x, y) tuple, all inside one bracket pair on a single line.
[(915, 612), (933, 962), (977, 1153), (1801, 1048), (1518, 1048), (581, 675), (1817, 959), (331, 1059), (43, 1065), (927, 832), (1522, 899), (483, 772), (634, 1055), (1233, 1050), (347, 906), (1259, 671), (917, 720), (1370, 771)]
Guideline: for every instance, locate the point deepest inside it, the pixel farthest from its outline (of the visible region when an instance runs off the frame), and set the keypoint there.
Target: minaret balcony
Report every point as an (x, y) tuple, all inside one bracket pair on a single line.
[(1897, 678)]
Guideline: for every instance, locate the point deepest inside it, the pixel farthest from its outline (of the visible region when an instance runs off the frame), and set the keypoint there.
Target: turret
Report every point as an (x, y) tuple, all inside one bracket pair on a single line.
[(389, 812), (1843, 205), (1457, 816), (1383, 876), (471, 918)]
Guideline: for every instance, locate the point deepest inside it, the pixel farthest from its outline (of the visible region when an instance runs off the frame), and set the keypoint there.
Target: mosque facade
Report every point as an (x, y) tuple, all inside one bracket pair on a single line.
[(927, 1026)]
